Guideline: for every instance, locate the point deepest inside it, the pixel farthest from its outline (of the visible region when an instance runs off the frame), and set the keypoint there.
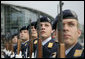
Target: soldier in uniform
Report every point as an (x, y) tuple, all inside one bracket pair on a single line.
[(24, 37), (33, 34), (14, 38), (33, 30), (14, 43), (7, 50), (71, 33), (48, 44)]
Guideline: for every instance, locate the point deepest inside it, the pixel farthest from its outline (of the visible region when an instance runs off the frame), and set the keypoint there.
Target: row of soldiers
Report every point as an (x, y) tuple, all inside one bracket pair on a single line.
[(25, 44)]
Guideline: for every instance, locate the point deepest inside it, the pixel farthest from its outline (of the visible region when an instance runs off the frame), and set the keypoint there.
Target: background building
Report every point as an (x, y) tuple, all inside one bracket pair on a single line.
[(14, 17)]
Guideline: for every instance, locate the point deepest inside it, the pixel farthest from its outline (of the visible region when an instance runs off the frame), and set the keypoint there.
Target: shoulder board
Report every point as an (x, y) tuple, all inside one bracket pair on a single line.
[(50, 45), (25, 44), (35, 42), (78, 52)]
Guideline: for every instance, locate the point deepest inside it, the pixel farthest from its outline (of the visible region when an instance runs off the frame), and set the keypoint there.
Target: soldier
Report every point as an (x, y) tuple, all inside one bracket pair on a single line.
[(33, 36), (14, 38), (7, 50), (33, 30), (48, 44), (14, 44), (24, 37), (3, 49), (71, 33)]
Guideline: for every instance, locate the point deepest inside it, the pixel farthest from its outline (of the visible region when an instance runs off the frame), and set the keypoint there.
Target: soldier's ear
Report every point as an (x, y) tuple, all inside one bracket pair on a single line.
[(79, 32)]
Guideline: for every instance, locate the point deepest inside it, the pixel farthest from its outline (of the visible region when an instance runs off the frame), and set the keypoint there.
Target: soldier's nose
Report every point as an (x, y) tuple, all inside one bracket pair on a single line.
[(42, 28), (65, 28)]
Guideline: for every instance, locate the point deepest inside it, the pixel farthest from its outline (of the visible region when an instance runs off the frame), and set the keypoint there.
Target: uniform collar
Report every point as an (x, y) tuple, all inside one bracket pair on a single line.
[(68, 50), (25, 42), (45, 41), (14, 44)]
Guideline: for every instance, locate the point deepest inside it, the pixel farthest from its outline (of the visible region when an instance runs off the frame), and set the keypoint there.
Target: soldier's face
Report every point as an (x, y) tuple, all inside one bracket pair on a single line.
[(24, 35), (46, 29), (34, 31), (70, 31), (14, 40)]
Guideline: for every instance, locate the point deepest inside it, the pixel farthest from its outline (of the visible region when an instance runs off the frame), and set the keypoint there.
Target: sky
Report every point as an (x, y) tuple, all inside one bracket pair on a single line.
[(50, 7)]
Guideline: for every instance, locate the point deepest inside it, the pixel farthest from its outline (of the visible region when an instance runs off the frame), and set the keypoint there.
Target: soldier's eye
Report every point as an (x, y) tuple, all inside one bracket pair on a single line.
[(71, 24), (46, 25), (25, 31), (40, 24), (32, 27)]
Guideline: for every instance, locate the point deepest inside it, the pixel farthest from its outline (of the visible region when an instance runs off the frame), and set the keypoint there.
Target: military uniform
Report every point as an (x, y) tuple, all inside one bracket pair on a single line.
[(14, 45), (24, 46), (6, 56), (76, 52), (15, 49), (49, 48), (25, 49)]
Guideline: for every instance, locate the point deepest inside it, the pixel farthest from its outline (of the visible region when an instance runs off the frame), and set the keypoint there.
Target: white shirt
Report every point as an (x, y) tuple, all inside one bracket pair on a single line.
[(45, 41), (25, 42), (68, 50)]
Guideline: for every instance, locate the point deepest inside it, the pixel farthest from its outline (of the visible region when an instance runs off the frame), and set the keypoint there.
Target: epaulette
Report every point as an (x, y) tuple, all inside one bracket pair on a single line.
[(35, 42), (78, 52), (25, 44), (50, 45)]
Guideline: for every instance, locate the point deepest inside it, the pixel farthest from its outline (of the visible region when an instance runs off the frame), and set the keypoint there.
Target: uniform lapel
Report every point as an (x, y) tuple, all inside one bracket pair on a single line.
[(72, 51)]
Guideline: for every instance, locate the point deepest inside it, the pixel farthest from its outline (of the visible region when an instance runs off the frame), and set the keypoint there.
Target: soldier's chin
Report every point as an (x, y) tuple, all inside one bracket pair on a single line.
[(34, 35), (67, 41), (23, 38), (43, 36)]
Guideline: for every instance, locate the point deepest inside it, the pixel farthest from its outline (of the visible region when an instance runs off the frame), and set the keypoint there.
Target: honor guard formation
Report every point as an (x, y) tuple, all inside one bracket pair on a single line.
[(47, 39)]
